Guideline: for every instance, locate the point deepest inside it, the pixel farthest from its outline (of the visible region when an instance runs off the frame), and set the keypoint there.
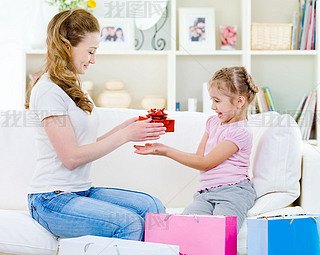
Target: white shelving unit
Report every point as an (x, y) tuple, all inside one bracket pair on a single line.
[(178, 74)]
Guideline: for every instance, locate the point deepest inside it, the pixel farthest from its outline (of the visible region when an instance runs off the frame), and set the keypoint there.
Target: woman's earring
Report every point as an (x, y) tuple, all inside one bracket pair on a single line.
[(67, 45)]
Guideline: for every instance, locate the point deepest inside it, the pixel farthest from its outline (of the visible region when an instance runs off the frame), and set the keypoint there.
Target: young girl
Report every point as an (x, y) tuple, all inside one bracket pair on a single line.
[(61, 196), (224, 151)]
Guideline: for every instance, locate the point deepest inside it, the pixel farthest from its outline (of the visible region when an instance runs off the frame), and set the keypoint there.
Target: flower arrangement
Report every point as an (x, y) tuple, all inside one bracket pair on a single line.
[(72, 4), (228, 37)]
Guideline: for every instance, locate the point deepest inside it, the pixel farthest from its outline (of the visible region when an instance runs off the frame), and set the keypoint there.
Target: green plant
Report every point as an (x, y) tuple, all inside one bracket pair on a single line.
[(72, 4)]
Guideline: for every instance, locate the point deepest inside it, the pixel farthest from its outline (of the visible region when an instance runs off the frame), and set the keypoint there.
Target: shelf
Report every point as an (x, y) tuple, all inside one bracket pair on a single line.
[(138, 52), (284, 52), (99, 53), (153, 53), (210, 53)]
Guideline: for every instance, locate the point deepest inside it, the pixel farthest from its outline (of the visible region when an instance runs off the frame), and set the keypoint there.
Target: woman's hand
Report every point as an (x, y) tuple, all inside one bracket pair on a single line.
[(151, 148), (144, 130), (119, 127), (128, 122)]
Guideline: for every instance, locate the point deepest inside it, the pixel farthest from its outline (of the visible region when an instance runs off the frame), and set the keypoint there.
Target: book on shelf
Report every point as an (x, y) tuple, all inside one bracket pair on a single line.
[(270, 98), (300, 108), (258, 101), (301, 14), (305, 114), (305, 24), (267, 99), (304, 29), (264, 100), (294, 30), (314, 40), (310, 27)]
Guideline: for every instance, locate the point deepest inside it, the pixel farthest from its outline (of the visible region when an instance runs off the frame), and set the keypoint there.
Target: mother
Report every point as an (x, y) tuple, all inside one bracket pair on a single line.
[(61, 197)]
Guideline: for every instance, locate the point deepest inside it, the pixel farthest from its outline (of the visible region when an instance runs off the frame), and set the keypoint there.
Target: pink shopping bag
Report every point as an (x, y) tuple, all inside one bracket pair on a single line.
[(195, 234)]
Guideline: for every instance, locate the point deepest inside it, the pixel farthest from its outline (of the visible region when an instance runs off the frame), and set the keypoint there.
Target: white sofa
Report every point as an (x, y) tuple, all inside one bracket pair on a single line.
[(275, 168)]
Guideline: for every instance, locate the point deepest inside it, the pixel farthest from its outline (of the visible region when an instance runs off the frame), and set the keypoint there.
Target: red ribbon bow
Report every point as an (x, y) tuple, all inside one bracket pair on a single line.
[(157, 114)]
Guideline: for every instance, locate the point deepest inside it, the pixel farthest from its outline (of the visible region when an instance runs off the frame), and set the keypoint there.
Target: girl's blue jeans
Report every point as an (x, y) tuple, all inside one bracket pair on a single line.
[(107, 212)]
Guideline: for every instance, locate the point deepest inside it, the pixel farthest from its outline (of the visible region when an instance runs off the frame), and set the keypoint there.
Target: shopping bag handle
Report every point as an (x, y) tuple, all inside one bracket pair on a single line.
[(280, 215), (315, 220), (170, 214), (86, 247), (276, 216), (88, 244), (117, 249)]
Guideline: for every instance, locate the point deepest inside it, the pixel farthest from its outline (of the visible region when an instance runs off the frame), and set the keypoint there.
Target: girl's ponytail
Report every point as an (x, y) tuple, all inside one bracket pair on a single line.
[(252, 87)]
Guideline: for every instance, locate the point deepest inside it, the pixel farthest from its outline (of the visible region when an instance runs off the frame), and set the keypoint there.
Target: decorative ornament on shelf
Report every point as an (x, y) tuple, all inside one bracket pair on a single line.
[(72, 4), (148, 102), (114, 95), (148, 14), (228, 37)]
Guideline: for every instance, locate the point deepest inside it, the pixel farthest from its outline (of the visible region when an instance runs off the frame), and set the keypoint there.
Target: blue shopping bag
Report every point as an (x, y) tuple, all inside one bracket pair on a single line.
[(279, 235)]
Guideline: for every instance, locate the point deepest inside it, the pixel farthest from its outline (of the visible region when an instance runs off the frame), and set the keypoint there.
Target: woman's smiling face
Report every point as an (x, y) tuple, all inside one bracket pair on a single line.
[(83, 54)]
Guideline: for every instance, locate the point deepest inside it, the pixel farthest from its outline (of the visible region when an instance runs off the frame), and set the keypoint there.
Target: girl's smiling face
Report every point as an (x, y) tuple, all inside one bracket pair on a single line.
[(228, 109), (83, 54)]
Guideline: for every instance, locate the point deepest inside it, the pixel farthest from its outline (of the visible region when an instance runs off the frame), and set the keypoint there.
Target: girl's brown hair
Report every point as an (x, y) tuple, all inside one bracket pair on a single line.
[(67, 29), (235, 81)]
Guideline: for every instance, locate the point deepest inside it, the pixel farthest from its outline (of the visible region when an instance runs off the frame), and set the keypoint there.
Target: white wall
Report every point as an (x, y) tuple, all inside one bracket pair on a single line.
[(17, 23), (13, 24)]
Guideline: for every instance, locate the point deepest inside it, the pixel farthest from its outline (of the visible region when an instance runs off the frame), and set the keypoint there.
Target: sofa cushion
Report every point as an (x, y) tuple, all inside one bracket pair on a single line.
[(275, 161), (20, 234)]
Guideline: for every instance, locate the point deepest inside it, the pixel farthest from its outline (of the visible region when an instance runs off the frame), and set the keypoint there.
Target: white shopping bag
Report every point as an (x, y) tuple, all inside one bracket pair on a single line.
[(95, 245)]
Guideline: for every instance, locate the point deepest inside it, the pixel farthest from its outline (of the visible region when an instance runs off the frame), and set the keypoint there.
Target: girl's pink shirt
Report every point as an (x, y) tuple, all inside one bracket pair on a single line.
[(235, 168)]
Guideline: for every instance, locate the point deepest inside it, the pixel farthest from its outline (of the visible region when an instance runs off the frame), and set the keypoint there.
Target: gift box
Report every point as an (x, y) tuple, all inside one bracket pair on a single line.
[(158, 115)]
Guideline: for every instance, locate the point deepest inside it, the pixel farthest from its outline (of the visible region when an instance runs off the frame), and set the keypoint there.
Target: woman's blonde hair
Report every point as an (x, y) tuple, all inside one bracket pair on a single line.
[(66, 30), (235, 81)]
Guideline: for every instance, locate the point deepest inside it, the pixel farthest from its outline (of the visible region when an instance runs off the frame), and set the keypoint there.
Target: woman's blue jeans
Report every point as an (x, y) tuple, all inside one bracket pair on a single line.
[(104, 212)]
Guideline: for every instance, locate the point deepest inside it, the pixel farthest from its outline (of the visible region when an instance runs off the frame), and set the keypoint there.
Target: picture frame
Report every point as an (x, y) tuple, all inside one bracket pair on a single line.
[(197, 29), (116, 34)]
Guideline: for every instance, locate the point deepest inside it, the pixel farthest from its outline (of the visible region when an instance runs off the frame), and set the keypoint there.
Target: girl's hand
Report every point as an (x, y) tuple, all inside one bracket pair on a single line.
[(144, 130), (151, 148)]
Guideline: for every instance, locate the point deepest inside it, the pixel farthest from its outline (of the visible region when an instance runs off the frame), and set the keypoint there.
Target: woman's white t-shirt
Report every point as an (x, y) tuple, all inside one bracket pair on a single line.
[(48, 99)]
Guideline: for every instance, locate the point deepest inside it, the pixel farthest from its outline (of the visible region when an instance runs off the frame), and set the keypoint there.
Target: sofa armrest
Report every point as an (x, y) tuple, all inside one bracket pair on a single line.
[(310, 187)]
